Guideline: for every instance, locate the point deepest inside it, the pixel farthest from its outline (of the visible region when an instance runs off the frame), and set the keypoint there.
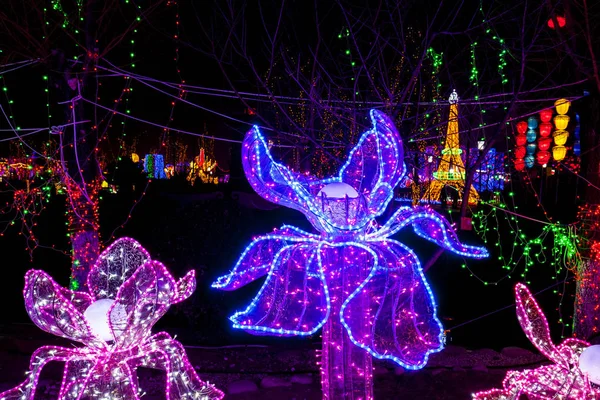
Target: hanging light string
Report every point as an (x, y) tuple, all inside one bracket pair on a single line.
[(20, 64), (144, 82), (203, 90)]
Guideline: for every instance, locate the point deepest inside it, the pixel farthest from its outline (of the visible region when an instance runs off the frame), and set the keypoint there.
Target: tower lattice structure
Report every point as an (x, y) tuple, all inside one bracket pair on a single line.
[(451, 170)]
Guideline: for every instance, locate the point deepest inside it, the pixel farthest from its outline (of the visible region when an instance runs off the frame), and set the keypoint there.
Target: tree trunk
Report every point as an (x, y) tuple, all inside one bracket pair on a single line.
[(586, 322), (346, 369), (80, 175)]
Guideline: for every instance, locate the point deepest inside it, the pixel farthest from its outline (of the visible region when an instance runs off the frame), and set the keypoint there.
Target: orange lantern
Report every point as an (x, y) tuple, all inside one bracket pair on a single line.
[(560, 137), (545, 129), (562, 106), (546, 115), (520, 152), (561, 121), (521, 140), (519, 164), (543, 157), (522, 127), (559, 152)]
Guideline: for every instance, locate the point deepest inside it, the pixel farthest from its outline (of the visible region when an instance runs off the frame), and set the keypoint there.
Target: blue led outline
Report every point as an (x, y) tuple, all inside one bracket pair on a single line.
[(286, 332), (435, 217), (389, 230), (431, 297), (217, 284)]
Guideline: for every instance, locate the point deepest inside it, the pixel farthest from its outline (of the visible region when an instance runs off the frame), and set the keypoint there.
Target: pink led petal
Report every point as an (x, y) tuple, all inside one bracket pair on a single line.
[(534, 323), (184, 287), (146, 297), (562, 380), (114, 266), (52, 312)]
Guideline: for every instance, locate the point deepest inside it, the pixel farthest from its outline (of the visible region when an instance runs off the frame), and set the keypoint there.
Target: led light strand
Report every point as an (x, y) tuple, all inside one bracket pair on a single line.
[(139, 291), (346, 279)]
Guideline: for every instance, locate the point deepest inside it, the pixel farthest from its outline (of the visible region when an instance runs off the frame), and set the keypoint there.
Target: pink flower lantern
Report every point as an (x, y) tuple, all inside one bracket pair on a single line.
[(366, 290), (563, 379), (128, 294)]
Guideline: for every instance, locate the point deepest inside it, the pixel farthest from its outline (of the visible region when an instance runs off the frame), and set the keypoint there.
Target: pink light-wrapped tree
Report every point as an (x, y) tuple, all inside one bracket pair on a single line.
[(564, 379), (127, 294), (366, 290)]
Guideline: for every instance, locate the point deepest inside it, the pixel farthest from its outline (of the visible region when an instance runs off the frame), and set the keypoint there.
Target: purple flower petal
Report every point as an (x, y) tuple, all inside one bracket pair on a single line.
[(396, 304), (433, 227), (376, 164), (256, 261), (293, 300), (273, 181)]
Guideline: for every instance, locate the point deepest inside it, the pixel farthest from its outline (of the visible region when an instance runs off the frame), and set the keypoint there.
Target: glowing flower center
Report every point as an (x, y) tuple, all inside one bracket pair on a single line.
[(97, 316), (589, 363), (338, 190)]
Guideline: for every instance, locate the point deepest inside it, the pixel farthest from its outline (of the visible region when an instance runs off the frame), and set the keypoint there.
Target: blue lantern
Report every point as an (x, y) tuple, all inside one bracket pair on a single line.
[(531, 136), (577, 148), (529, 161), (531, 148), (532, 123)]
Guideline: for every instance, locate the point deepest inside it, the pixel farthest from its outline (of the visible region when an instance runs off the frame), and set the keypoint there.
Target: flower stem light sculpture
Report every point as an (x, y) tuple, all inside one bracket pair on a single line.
[(366, 290), (565, 379), (128, 294)]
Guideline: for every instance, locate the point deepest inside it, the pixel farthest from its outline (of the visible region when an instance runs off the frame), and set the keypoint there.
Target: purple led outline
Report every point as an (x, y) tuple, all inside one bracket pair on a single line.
[(563, 379), (300, 190), (103, 369), (274, 254)]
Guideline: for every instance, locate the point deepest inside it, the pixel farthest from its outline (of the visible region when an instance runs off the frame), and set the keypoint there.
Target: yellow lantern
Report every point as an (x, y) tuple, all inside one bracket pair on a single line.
[(562, 106), (561, 121), (560, 137), (135, 158), (559, 152), (104, 184)]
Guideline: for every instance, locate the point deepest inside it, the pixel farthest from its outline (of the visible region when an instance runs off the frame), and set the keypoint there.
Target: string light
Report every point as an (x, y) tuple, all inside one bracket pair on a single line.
[(562, 379), (140, 292), (367, 291)]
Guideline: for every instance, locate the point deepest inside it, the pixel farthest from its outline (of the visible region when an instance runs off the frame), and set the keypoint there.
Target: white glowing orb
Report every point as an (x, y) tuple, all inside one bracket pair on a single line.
[(338, 190), (589, 363), (97, 317)]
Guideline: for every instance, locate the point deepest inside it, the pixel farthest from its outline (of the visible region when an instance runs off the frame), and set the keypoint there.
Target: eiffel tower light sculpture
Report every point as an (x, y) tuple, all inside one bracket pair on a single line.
[(451, 170)]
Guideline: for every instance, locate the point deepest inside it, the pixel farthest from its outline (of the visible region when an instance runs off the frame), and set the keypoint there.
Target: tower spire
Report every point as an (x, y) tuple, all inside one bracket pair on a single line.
[(451, 170)]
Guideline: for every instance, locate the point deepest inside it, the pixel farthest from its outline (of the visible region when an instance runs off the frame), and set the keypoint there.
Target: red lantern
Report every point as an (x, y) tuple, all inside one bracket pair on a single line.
[(562, 21), (543, 157), (544, 143), (546, 115), (522, 127), (520, 151), (545, 129), (519, 164), (521, 140)]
